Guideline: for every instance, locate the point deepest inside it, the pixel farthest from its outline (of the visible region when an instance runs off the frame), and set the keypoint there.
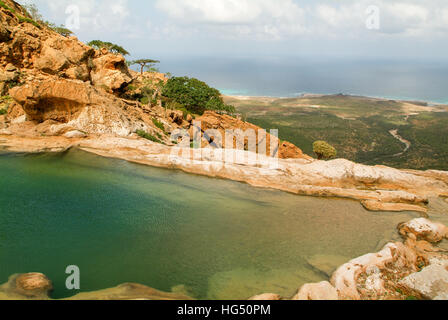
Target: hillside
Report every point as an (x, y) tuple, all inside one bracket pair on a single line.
[(358, 127)]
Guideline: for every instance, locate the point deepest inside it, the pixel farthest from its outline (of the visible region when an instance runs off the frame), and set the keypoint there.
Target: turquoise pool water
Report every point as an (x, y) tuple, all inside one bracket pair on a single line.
[(216, 239)]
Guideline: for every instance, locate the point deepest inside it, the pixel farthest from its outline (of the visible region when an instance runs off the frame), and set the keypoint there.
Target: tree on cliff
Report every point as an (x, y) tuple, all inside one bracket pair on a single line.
[(196, 96), (112, 47), (143, 63), (35, 15), (323, 150)]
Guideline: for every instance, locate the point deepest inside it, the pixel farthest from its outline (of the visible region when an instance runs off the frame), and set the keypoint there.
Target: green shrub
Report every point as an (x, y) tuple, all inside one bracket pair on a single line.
[(323, 150), (112, 47), (5, 6), (147, 136), (144, 100), (158, 124), (62, 30), (28, 20), (195, 95), (3, 111)]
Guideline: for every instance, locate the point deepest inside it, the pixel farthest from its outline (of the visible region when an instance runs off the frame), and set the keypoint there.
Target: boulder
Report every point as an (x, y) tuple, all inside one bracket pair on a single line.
[(75, 134), (317, 291), (7, 76), (51, 60), (80, 72), (431, 282), (424, 229), (59, 53), (266, 297), (33, 285), (346, 277), (110, 71)]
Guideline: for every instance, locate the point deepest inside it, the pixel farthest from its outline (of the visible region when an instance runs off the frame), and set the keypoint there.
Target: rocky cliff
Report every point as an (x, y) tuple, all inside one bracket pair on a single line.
[(61, 86)]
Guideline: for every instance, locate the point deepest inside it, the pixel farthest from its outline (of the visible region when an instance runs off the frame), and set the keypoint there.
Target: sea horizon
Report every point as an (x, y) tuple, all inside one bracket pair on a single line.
[(236, 94), (392, 79)]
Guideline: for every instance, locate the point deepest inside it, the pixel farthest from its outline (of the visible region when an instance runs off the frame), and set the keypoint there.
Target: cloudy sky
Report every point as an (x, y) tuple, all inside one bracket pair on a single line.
[(404, 29)]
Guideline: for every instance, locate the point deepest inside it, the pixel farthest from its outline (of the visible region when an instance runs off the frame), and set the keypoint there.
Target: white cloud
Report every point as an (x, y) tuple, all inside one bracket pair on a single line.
[(247, 18), (285, 18)]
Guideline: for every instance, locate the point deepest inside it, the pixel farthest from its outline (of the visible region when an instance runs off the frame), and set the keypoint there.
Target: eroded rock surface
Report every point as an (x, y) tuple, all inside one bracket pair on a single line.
[(431, 282), (424, 229)]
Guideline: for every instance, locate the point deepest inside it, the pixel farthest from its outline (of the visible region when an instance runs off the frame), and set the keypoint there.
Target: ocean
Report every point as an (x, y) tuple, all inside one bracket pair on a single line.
[(289, 77)]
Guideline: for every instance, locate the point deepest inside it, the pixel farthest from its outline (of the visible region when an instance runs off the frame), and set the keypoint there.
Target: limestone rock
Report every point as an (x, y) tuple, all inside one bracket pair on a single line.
[(289, 151), (80, 72), (345, 279), (6, 76), (373, 205), (51, 60), (110, 71), (317, 291), (33, 285), (424, 229), (79, 105), (266, 297), (431, 282), (75, 134)]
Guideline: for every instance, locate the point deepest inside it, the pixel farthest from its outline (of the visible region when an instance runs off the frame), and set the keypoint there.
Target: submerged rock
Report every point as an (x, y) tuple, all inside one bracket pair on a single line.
[(326, 264), (129, 291), (34, 286)]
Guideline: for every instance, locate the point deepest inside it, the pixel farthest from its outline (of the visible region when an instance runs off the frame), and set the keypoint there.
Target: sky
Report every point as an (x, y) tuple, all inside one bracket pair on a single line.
[(364, 29)]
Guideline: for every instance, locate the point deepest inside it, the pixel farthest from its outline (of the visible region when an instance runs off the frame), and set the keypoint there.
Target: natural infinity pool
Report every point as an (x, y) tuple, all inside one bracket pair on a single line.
[(122, 222)]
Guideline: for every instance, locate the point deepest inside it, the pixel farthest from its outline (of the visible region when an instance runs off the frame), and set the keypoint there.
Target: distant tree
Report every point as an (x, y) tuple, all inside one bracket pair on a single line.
[(323, 150), (195, 95), (144, 63), (112, 47), (33, 13), (62, 30)]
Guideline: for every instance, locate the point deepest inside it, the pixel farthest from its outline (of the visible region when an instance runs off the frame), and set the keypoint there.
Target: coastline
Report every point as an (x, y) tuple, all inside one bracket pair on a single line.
[(320, 95)]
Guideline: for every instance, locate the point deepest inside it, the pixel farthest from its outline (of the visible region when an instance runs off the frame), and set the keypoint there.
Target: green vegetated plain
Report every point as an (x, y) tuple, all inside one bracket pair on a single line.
[(358, 127)]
